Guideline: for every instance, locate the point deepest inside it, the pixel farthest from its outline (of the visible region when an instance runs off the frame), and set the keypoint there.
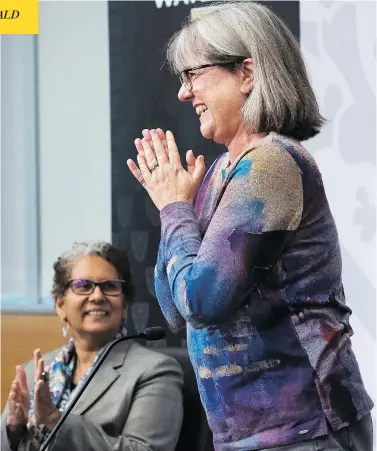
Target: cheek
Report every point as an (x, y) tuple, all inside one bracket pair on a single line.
[(223, 114), (74, 305), (73, 312), (119, 306)]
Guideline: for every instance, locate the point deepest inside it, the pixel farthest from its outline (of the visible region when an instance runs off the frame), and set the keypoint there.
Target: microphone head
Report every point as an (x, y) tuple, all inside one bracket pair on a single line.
[(154, 333)]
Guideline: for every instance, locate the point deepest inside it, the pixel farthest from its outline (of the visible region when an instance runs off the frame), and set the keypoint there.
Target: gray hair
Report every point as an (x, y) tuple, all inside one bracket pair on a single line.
[(282, 100), (115, 256)]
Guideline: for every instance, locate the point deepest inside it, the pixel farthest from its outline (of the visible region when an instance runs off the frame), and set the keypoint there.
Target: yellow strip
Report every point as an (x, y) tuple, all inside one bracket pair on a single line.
[(19, 17)]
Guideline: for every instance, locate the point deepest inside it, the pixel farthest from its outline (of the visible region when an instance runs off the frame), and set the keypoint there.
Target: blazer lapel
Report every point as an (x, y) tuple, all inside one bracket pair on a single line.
[(104, 377)]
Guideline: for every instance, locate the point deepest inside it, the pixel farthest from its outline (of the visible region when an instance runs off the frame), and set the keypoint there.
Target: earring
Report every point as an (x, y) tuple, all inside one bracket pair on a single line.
[(65, 326), (122, 332)]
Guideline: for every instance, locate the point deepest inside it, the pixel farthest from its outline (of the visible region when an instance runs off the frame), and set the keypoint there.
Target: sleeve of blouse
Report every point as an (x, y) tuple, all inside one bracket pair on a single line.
[(258, 212), (164, 295)]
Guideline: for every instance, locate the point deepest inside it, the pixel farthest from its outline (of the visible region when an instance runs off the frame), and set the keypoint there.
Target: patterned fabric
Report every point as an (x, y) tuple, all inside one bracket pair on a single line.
[(254, 270), (60, 375)]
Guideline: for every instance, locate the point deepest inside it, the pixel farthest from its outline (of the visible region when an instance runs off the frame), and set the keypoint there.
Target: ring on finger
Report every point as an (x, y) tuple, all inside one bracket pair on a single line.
[(153, 166), (44, 376)]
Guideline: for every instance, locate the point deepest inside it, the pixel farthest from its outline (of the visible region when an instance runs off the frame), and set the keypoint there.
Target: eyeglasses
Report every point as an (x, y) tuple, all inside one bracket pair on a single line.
[(108, 287), (186, 75)]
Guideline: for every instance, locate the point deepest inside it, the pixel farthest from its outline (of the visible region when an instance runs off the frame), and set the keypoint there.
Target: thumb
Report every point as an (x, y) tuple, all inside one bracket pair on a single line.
[(190, 160), (199, 170)]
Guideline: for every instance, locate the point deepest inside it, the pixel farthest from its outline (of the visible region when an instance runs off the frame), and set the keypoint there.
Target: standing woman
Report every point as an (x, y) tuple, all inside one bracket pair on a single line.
[(249, 258)]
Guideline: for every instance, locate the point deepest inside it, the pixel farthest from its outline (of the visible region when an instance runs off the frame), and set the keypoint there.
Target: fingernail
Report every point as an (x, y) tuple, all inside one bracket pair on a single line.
[(153, 131)]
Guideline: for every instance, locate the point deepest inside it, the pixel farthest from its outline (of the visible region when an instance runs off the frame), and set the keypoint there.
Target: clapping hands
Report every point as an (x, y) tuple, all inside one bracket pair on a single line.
[(45, 411), (160, 169)]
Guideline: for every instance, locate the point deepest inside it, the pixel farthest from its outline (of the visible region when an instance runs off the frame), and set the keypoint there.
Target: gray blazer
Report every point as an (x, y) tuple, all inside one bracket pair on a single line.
[(133, 403)]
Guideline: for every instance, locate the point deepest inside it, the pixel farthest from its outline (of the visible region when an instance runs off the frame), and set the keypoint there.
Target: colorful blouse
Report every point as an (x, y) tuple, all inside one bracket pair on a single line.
[(254, 272)]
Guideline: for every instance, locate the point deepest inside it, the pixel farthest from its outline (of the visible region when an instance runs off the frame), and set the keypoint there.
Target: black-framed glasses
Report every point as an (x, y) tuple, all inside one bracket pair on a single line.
[(186, 75), (108, 287)]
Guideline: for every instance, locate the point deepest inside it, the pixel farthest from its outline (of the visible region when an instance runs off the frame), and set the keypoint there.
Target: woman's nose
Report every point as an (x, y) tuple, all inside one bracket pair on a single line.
[(184, 94), (97, 294)]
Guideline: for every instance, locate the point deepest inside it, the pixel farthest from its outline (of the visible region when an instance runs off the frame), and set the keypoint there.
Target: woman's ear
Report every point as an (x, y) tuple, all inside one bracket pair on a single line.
[(59, 303), (247, 70)]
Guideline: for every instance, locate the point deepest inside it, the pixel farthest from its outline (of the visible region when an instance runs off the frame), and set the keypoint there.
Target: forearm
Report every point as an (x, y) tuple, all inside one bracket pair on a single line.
[(164, 295), (194, 269), (13, 439)]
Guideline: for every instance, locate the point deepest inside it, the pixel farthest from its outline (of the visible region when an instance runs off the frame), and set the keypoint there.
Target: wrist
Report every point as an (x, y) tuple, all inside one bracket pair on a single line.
[(15, 429), (15, 434), (52, 419), (177, 201)]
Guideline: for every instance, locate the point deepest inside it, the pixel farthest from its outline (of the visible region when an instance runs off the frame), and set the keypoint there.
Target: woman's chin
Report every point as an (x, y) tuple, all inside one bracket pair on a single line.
[(206, 131), (209, 133), (98, 327)]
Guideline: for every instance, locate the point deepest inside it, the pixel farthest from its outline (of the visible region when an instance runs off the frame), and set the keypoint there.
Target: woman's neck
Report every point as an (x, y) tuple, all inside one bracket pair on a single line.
[(243, 139), (86, 351)]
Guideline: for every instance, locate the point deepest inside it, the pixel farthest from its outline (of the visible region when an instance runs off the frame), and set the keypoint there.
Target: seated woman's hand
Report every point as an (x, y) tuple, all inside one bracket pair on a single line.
[(18, 400), (45, 411)]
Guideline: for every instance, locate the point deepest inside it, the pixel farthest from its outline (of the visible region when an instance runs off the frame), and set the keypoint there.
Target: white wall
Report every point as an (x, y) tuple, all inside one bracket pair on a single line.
[(74, 127), (19, 206), (338, 40)]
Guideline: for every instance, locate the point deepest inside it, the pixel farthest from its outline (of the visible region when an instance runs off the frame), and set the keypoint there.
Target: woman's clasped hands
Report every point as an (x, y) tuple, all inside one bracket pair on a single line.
[(160, 170), (45, 412)]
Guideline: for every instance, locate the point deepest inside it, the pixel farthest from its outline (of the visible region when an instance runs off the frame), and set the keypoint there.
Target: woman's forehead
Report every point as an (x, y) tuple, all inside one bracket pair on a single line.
[(90, 265)]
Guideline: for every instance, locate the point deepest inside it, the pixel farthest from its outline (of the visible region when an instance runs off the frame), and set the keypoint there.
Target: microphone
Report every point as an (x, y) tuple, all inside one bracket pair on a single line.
[(150, 334)]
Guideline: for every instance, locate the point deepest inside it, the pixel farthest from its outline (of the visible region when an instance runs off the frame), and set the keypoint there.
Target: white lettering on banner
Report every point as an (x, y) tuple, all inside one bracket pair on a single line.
[(168, 3)]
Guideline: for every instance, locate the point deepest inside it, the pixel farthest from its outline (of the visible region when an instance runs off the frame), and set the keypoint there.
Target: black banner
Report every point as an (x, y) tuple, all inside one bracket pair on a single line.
[(144, 95)]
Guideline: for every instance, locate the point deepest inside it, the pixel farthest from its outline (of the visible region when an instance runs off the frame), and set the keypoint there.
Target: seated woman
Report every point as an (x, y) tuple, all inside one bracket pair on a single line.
[(92, 290)]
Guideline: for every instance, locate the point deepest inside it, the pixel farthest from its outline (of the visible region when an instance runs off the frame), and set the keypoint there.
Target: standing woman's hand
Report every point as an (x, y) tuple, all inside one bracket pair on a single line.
[(190, 157), (161, 173)]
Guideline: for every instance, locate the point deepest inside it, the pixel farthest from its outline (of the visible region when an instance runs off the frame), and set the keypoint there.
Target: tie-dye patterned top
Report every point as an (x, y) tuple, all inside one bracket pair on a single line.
[(254, 271)]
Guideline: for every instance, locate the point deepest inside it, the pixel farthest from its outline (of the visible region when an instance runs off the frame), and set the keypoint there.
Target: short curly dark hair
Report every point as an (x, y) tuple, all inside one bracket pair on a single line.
[(115, 256)]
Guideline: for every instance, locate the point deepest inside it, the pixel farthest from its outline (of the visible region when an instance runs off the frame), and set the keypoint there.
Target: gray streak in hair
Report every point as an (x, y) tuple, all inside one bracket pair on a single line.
[(116, 257)]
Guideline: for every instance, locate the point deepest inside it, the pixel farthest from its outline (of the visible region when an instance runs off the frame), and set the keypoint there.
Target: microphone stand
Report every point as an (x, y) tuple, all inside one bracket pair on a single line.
[(59, 424)]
